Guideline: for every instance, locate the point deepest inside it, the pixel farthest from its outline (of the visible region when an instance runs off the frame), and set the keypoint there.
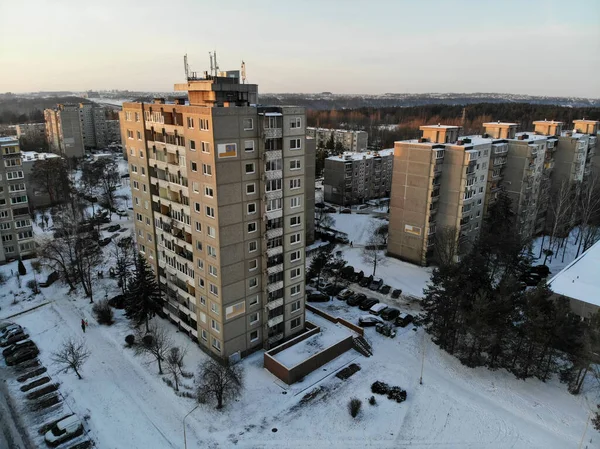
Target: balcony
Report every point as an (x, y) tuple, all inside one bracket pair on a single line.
[(275, 338), (499, 161), (274, 251), (275, 269), (435, 195), (274, 304), (272, 133), (273, 174), (275, 286), (275, 321), (500, 149), (273, 214)]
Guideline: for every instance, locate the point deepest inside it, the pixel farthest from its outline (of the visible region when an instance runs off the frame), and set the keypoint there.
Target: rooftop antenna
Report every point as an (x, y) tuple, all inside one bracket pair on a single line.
[(243, 72), (216, 65), (211, 62), (186, 67)]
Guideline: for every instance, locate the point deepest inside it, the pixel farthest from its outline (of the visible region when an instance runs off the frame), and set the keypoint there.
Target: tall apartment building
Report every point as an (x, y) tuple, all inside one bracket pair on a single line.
[(15, 222), (32, 131), (219, 196), (351, 140), (354, 178), (73, 128), (438, 183)]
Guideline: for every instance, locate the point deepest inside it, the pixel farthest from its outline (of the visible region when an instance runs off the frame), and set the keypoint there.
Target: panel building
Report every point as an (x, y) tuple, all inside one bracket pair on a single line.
[(350, 140), (220, 201), (15, 223), (354, 178)]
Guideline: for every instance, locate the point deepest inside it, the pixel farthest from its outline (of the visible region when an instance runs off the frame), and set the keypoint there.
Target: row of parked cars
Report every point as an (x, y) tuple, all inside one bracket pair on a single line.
[(378, 311)]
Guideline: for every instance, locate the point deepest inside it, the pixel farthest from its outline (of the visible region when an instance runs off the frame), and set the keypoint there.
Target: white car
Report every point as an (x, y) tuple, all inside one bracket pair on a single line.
[(65, 429), (8, 328), (378, 308), (369, 320)]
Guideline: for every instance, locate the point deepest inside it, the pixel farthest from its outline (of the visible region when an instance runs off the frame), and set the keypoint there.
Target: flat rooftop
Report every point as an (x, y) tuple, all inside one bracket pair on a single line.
[(352, 156), (330, 334), (580, 279), (11, 140), (439, 126), (35, 156), (501, 124), (547, 122), (530, 136)]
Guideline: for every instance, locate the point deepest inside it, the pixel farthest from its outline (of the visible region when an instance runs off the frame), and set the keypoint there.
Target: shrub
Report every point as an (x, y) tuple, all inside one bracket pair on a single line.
[(103, 312), (147, 340), (2, 278), (380, 388), (372, 400), (33, 286), (354, 406), (118, 302), (397, 394), (37, 266), (22, 269), (130, 340)]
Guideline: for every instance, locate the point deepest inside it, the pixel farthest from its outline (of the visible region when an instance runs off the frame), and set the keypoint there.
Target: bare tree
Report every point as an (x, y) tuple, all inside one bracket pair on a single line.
[(219, 381), (71, 356), (123, 252), (324, 220), (88, 257), (560, 210), (373, 252), (446, 245), (155, 343), (174, 364), (588, 211), (51, 176)]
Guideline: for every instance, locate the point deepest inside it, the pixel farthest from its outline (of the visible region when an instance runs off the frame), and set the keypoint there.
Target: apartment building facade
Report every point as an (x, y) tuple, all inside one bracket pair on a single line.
[(351, 140), (15, 223), (353, 178), (221, 211), (31, 131), (438, 185)]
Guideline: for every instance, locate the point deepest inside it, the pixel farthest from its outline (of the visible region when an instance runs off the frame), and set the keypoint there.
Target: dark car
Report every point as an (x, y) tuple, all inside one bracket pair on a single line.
[(22, 356), (330, 209), (366, 281), (18, 347), (369, 320), (13, 338), (404, 319), (317, 297), (348, 273), (104, 242), (52, 278), (345, 294), (359, 276), (390, 314), (541, 270), (346, 211), (396, 293), (333, 290), (376, 284), (114, 228), (356, 299), (385, 289), (367, 304)]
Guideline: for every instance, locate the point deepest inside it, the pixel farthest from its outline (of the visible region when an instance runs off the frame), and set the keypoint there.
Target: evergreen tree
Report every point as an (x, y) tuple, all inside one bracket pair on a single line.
[(22, 269), (320, 261), (143, 299)]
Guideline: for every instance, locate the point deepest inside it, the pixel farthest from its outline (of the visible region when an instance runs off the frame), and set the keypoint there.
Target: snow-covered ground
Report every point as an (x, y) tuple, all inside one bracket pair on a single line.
[(556, 262)]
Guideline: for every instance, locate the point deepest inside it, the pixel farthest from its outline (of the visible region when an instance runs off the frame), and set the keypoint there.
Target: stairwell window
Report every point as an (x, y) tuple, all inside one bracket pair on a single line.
[(295, 323), (295, 201), (295, 273), (295, 164), (250, 189), (295, 238), (296, 122), (250, 168), (295, 306), (295, 221), (295, 144), (251, 207), (295, 256), (216, 344), (295, 183), (252, 283), (254, 318), (252, 246), (248, 124), (192, 145), (295, 290)]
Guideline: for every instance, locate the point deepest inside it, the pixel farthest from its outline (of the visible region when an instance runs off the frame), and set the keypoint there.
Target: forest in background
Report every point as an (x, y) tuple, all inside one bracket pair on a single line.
[(15, 109)]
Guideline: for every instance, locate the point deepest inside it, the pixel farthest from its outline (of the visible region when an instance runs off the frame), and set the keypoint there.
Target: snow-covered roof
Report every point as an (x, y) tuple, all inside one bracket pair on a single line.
[(530, 136), (579, 280), (8, 140), (352, 156), (499, 123), (35, 156), (438, 126), (573, 134), (547, 122)]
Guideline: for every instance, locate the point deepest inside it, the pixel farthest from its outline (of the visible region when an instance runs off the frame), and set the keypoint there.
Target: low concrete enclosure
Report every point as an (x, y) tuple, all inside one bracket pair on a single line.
[(324, 339)]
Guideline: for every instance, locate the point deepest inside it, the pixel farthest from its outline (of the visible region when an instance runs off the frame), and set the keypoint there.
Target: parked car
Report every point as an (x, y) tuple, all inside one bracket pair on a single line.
[(346, 211), (385, 289), (6, 327), (333, 290), (359, 276), (13, 337), (404, 319), (367, 304), (23, 344), (64, 430), (114, 228), (104, 242), (366, 281), (317, 297), (369, 320), (51, 279), (376, 284), (356, 299), (121, 212), (22, 355), (323, 284), (342, 239), (396, 293), (348, 273), (345, 294), (330, 209), (378, 308), (389, 314), (385, 329)]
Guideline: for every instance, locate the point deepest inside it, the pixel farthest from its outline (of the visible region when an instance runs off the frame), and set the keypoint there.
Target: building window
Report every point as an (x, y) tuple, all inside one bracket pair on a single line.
[(198, 227), (294, 144), (9, 249), (215, 325), (210, 211), (253, 318), (139, 135), (210, 231), (194, 167), (250, 189), (208, 191), (250, 168), (273, 165), (235, 310), (295, 221), (211, 251), (214, 289), (195, 187), (197, 207), (252, 246), (274, 204), (204, 124), (248, 124), (294, 183), (252, 227), (206, 147), (200, 282), (190, 122), (295, 201), (192, 145), (295, 164), (253, 336), (216, 344), (251, 208), (295, 323), (207, 169), (294, 273), (198, 245), (128, 116), (136, 185), (254, 301), (295, 256), (214, 308), (139, 217), (143, 171), (249, 146), (129, 134), (295, 238), (200, 264), (295, 306), (296, 122), (137, 117), (295, 290), (252, 265), (252, 282), (204, 335), (203, 302)]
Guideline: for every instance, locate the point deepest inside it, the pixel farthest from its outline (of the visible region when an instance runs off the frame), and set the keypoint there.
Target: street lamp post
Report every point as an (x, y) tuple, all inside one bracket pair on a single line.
[(184, 437)]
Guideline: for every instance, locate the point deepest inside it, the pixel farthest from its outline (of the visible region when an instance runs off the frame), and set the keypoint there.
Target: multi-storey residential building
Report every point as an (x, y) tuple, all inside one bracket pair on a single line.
[(220, 211), (351, 140), (15, 223), (32, 131), (438, 185), (73, 128), (354, 178)]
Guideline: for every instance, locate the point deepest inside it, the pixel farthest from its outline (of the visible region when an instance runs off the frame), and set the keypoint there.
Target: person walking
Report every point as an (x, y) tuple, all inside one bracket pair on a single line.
[(83, 324)]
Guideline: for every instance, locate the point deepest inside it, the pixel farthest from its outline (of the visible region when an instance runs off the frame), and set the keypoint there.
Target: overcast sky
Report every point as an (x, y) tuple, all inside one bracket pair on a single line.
[(344, 46)]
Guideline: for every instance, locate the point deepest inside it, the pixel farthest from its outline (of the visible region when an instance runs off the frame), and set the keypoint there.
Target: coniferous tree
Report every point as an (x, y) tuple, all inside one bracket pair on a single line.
[(143, 298), (320, 261)]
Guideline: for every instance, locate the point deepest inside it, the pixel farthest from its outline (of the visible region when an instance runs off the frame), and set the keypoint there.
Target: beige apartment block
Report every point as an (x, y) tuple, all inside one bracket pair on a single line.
[(15, 221), (221, 204), (438, 185), (351, 140)]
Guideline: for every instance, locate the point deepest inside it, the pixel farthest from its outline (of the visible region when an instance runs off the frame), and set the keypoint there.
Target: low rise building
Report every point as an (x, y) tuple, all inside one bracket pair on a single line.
[(350, 140), (353, 178), (31, 131)]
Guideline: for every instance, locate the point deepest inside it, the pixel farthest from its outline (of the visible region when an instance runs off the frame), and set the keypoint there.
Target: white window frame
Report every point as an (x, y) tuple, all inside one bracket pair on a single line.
[(297, 144)]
